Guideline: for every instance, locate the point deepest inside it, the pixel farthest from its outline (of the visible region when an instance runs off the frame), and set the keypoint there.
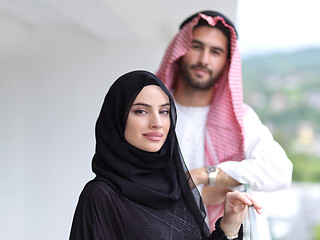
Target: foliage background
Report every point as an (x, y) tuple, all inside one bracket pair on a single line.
[(284, 90)]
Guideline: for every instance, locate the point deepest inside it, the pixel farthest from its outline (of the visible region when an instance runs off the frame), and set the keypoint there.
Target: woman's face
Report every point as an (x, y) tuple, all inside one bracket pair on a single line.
[(148, 120)]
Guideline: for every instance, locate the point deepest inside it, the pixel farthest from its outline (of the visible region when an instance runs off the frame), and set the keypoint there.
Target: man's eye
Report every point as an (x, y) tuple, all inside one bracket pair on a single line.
[(215, 52), (196, 46)]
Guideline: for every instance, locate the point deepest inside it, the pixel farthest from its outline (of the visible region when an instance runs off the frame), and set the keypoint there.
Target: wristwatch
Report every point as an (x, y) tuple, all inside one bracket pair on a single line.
[(212, 172)]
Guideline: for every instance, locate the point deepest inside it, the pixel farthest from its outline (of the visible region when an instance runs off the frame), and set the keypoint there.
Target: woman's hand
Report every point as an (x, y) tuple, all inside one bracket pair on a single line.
[(235, 210)]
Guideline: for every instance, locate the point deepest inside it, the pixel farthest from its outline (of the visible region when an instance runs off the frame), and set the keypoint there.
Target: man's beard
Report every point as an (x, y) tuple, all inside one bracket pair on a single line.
[(187, 77)]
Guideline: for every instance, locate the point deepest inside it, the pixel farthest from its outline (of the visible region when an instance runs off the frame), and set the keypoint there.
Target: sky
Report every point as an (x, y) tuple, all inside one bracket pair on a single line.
[(267, 26)]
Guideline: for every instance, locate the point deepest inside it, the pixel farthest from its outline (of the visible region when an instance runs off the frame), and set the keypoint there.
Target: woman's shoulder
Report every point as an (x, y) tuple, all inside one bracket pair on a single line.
[(98, 192), (96, 185)]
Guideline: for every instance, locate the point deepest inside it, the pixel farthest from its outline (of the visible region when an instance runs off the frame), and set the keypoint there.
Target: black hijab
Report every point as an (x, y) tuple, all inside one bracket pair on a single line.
[(155, 179)]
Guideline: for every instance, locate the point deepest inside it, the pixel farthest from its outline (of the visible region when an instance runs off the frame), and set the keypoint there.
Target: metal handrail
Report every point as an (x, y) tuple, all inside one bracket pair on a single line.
[(250, 228)]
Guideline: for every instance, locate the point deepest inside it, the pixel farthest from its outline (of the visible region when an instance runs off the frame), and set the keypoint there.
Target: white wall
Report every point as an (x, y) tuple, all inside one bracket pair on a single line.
[(52, 83)]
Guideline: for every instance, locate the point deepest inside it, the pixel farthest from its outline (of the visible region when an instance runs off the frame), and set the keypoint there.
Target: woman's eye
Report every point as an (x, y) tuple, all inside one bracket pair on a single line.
[(165, 112), (139, 111)]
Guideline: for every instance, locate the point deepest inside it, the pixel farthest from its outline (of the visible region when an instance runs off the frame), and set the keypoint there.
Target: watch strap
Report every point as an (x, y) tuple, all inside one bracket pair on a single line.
[(212, 173)]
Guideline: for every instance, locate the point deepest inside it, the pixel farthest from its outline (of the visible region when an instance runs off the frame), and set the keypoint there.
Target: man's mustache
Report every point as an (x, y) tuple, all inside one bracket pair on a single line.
[(201, 67)]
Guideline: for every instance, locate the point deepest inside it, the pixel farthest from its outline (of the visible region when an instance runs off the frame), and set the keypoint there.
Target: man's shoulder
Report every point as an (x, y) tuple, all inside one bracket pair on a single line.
[(251, 119), (249, 111)]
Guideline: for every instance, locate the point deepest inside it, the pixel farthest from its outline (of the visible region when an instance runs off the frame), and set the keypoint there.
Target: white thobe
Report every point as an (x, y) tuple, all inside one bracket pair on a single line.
[(266, 166)]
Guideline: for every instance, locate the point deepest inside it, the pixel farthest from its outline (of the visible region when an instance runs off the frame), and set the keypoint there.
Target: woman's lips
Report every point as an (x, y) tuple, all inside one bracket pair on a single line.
[(154, 136)]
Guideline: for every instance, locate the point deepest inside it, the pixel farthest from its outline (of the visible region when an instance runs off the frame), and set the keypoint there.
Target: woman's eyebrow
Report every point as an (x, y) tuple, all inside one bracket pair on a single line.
[(147, 105), (141, 104), (165, 104)]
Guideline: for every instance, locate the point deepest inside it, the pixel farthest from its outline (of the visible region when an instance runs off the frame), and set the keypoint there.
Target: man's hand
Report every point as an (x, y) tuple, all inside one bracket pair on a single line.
[(235, 210), (224, 179), (199, 176), (214, 195)]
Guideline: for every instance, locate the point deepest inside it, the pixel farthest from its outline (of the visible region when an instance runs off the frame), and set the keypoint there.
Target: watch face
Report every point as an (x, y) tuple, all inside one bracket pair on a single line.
[(211, 169)]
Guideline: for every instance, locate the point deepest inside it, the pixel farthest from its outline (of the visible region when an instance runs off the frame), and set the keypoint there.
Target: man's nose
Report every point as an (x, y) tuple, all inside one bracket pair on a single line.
[(204, 57)]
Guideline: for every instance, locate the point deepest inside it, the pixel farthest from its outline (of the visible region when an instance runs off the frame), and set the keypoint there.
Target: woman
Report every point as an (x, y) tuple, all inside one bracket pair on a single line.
[(142, 187)]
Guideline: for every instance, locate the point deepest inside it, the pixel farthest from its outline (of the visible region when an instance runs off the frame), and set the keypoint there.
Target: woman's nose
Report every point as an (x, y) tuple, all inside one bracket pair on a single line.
[(155, 121)]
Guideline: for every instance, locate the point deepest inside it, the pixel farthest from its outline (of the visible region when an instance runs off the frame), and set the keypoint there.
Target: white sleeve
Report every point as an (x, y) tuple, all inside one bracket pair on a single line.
[(266, 166)]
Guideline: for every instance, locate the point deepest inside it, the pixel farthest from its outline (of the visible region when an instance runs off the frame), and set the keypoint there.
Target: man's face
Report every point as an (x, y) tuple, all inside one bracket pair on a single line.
[(205, 61)]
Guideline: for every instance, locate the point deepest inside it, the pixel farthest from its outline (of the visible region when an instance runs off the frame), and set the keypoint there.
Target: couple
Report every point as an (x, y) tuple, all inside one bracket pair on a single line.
[(225, 144)]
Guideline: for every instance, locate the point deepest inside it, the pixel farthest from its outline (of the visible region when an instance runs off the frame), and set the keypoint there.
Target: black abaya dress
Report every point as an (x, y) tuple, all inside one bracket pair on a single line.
[(103, 214)]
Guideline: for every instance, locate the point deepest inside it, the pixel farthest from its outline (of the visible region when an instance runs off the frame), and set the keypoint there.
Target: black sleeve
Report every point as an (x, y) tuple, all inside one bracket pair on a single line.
[(218, 234), (94, 218)]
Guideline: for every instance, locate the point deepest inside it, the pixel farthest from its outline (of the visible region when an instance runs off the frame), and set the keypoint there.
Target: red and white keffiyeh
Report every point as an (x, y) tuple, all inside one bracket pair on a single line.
[(224, 128)]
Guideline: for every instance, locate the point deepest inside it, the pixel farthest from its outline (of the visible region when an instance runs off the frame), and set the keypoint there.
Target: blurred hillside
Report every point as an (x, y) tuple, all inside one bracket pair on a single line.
[(284, 89)]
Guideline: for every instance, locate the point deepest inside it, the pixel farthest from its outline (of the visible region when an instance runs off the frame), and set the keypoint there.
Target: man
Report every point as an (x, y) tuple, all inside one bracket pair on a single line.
[(223, 142)]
